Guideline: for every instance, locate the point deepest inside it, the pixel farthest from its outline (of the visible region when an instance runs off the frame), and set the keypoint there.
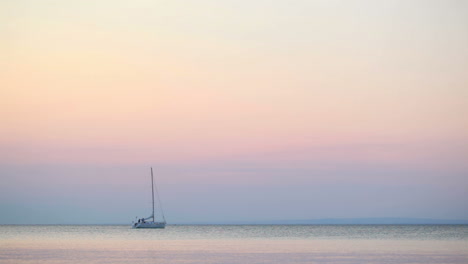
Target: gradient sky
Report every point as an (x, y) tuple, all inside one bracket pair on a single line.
[(247, 110)]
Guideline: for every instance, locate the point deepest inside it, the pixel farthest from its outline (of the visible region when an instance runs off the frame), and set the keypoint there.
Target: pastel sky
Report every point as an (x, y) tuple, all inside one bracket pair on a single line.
[(247, 110)]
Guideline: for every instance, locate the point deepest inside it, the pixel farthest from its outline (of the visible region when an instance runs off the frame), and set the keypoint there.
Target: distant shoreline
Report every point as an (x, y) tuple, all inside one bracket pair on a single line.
[(340, 221)]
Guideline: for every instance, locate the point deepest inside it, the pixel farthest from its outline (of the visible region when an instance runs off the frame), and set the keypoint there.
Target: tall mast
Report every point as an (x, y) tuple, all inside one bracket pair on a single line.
[(152, 190)]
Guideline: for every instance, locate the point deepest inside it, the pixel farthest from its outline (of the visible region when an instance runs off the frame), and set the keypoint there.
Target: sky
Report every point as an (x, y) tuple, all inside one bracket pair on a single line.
[(246, 110)]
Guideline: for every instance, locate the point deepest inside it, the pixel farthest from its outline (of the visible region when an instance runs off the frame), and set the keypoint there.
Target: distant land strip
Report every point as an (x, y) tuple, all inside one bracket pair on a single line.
[(341, 221)]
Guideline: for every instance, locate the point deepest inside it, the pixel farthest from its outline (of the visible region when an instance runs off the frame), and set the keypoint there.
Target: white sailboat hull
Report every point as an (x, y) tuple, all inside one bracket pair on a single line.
[(150, 225)]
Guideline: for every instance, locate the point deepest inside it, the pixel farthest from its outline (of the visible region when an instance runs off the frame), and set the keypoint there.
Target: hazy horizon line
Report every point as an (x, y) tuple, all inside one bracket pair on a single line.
[(321, 221)]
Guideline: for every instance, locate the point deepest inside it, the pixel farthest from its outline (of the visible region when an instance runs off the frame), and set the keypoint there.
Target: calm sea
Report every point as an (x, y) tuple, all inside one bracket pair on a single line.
[(235, 244)]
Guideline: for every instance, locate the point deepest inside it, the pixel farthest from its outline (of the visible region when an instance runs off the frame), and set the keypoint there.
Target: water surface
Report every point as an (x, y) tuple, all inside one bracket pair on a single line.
[(235, 244)]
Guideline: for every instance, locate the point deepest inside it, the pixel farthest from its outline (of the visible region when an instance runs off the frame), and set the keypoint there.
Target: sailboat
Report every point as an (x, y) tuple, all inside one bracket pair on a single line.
[(143, 223)]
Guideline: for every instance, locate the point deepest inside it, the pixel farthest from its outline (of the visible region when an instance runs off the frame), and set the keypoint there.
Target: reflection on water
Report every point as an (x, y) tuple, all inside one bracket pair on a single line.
[(235, 244)]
